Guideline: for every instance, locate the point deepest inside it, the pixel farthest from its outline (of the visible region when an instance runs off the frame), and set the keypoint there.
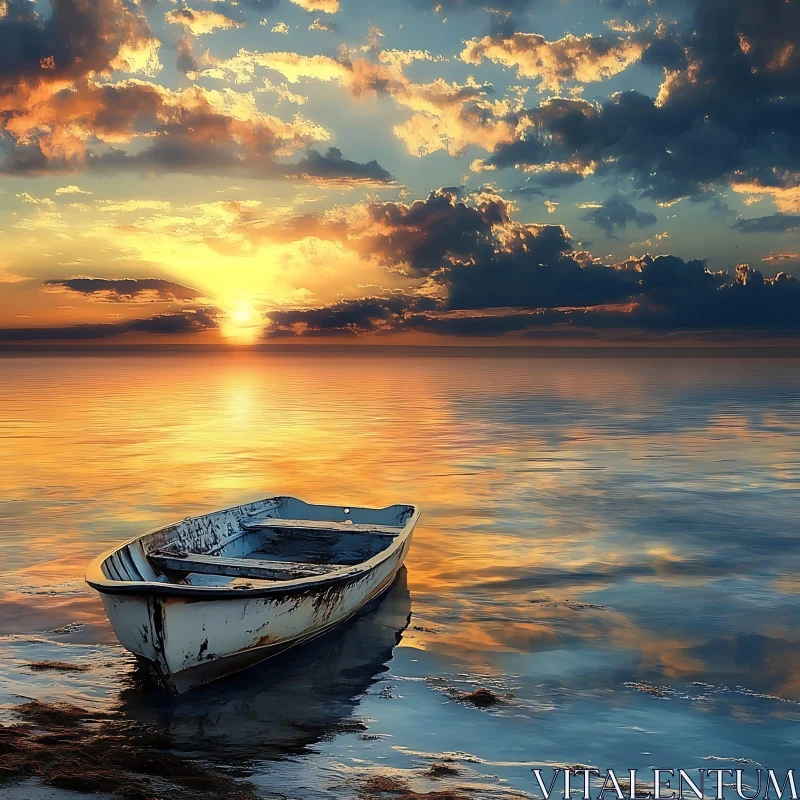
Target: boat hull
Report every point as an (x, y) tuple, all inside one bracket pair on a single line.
[(187, 640)]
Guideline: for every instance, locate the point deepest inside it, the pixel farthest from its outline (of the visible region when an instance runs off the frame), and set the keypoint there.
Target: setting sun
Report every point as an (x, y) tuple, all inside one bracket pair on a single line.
[(242, 323)]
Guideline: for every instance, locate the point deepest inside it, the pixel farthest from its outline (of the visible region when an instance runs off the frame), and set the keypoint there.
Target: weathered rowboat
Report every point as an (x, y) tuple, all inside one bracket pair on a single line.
[(213, 594), (286, 704)]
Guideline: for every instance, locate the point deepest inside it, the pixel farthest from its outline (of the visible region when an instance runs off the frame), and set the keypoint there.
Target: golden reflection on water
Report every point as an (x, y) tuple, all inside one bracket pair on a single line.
[(538, 479)]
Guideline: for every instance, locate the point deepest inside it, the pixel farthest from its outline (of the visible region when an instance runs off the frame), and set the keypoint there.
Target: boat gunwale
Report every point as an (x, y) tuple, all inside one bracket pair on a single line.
[(97, 580)]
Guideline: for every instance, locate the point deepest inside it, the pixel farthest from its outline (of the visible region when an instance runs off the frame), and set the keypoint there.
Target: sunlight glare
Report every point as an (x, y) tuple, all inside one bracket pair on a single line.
[(242, 323)]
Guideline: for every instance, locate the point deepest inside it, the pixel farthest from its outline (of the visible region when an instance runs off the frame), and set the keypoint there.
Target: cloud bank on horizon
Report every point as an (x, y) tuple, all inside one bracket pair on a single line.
[(275, 169)]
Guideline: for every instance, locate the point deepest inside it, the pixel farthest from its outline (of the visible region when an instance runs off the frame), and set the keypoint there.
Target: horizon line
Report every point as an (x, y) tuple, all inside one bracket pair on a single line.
[(648, 349)]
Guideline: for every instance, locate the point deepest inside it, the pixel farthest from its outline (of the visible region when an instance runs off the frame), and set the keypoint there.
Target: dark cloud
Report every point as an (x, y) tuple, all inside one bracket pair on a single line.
[(126, 290), (187, 321), (76, 38), (558, 178), (526, 192), (418, 238), (332, 169), (731, 114), (479, 324), (491, 276), (185, 60), (535, 266), (348, 317), (204, 142), (719, 207), (774, 223), (747, 304), (616, 213), (546, 182), (469, 5), (414, 239)]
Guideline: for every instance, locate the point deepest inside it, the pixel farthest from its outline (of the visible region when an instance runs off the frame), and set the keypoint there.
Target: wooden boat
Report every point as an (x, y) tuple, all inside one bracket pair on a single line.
[(213, 594), (283, 705)]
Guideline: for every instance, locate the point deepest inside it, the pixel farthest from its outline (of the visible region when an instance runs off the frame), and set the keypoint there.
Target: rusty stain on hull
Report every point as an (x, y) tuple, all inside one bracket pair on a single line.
[(194, 626)]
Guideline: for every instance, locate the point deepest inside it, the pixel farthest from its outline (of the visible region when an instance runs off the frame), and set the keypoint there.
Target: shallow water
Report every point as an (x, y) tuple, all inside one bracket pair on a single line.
[(613, 543)]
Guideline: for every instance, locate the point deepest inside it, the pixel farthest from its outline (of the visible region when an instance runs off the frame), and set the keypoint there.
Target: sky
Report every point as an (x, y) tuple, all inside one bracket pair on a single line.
[(249, 171)]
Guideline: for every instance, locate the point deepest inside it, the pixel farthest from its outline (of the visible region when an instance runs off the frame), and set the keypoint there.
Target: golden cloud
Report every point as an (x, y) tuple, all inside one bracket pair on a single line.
[(786, 197), (200, 21), (326, 6), (446, 116), (77, 126), (582, 59)]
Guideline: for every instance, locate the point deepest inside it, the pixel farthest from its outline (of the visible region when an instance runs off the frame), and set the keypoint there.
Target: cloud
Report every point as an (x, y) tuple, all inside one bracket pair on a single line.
[(194, 130), (446, 6), (76, 39), (35, 201), (347, 317), (482, 273), (785, 195), (418, 238), (125, 290), (773, 223), (326, 6), (135, 205), (10, 277), (402, 58), (580, 59), (452, 116), (71, 189), (187, 321), (325, 26), (725, 113), (332, 170), (445, 116), (756, 307), (413, 239), (185, 60), (778, 257), (528, 192), (616, 213), (69, 115), (200, 21), (469, 251), (293, 66), (283, 93)]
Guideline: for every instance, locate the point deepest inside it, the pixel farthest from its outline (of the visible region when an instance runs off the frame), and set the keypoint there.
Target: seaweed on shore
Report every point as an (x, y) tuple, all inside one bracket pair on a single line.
[(57, 666), (480, 698), (54, 715), (68, 747), (442, 770)]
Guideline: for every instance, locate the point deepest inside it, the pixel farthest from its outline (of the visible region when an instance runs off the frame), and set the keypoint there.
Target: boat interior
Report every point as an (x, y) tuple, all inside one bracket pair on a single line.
[(278, 539)]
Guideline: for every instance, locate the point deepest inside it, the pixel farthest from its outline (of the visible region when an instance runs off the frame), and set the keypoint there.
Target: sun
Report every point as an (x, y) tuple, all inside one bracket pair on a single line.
[(242, 323), (243, 316)]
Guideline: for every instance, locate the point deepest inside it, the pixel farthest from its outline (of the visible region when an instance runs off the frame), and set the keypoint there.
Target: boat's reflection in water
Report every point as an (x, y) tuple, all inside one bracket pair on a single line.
[(288, 704)]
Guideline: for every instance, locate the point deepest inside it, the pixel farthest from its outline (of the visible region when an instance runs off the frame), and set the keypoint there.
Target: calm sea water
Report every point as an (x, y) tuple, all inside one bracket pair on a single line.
[(612, 543)]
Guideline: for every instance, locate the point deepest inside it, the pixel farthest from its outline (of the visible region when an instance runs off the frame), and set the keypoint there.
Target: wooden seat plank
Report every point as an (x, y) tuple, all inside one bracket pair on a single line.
[(319, 525), (237, 567)]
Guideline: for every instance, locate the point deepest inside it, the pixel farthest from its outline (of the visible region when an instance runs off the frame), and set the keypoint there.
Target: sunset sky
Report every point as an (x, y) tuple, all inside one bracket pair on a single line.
[(407, 170)]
